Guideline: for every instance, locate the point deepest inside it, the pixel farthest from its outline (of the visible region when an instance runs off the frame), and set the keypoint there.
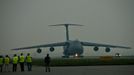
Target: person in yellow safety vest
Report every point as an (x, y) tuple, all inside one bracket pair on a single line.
[(21, 61), (15, 62), (29, 62), (7, 62), (1, 62)]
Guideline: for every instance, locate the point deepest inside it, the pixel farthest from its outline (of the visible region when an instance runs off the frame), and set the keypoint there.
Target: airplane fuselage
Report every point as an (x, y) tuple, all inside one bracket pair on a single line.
[(73, 48)]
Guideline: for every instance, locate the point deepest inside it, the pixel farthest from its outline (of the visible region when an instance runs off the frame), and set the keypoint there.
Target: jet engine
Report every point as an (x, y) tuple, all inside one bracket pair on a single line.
[(51, 49), (39, 50), (96, 48), (107, 49)]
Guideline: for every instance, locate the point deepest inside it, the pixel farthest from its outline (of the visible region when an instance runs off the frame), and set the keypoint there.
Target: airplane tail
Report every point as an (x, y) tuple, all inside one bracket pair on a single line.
[(66, 25)]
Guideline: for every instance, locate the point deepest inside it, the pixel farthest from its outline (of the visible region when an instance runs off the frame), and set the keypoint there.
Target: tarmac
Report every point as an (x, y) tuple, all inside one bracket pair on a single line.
[(76, 70)]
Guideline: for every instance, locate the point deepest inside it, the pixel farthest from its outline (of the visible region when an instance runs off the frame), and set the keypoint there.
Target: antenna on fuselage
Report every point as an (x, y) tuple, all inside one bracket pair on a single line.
[(67, 31)]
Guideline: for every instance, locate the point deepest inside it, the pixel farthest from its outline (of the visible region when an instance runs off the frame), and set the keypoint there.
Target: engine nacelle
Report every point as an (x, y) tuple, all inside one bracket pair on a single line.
[(107, 49), (51, 49), (96, 48), (39, 50)]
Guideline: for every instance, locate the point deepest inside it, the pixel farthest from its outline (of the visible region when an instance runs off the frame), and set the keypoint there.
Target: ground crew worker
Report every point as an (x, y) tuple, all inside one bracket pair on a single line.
[(1, 62), (7, 62), (47, 61), (21, 61), (29, 62), (15, 62)]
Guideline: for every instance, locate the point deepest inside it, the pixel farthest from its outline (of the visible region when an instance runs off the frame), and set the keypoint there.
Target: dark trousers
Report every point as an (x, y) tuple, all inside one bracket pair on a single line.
[(14, 67), (22, 66), (1, 68), (47, 67), (29, 66)]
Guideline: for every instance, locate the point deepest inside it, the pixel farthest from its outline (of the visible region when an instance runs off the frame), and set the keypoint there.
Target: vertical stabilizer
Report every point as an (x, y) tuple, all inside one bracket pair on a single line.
[(67, 31)]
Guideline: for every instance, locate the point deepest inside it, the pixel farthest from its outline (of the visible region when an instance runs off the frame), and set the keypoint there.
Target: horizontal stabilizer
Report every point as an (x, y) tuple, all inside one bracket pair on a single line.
[(66, 25)]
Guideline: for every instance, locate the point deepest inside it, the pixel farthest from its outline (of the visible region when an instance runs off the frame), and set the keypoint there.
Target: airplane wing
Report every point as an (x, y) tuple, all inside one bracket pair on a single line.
[(41, 46), (103, 45)]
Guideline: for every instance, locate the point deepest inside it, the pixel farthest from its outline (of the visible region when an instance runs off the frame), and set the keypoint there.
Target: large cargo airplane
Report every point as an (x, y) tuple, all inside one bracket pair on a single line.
[(72, 47)]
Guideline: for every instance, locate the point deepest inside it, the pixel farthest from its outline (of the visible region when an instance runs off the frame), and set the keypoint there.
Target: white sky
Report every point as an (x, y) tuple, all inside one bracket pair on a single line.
[(25, 23)]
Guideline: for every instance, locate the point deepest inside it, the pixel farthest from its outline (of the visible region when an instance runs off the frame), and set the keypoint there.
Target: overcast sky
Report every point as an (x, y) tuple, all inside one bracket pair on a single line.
[(25, 23)]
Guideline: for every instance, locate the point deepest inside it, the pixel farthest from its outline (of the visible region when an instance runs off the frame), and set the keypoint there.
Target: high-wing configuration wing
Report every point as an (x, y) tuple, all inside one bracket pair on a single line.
[(103, 45), (107, 46), (41, 46), (73, 47), (66, 43)]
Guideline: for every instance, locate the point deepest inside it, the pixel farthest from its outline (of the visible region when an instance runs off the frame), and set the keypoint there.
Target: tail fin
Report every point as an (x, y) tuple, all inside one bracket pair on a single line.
[(66, 25)]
